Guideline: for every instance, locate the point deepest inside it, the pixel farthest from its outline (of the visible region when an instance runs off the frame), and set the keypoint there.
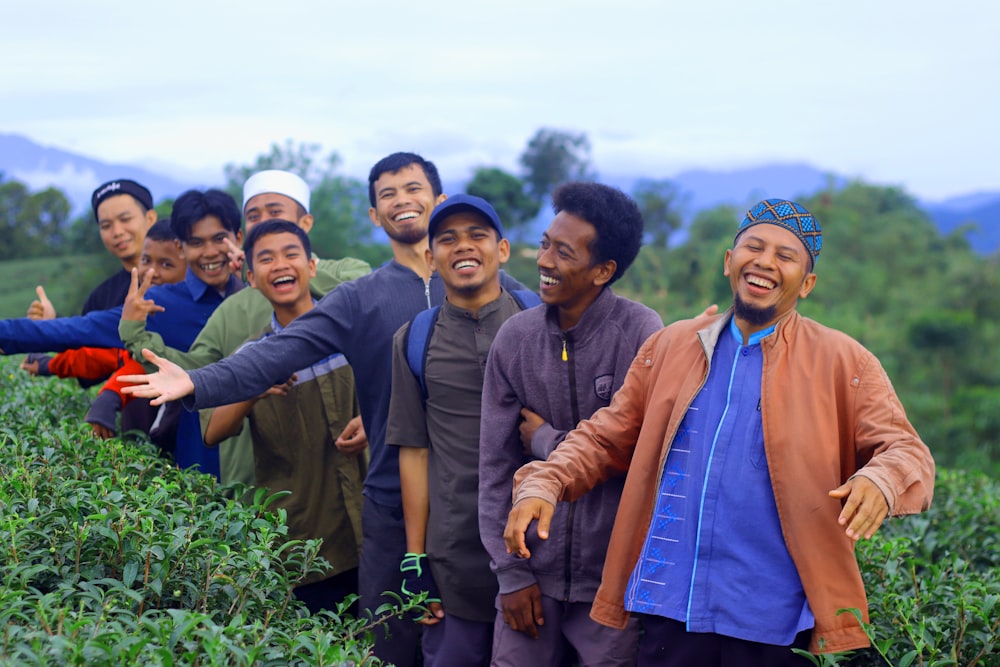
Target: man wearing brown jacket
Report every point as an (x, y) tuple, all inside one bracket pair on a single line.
[(758, 450)]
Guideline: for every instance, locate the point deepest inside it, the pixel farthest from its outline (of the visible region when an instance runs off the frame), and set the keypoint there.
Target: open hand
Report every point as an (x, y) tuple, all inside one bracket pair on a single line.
[(865, 508), (169, 383)]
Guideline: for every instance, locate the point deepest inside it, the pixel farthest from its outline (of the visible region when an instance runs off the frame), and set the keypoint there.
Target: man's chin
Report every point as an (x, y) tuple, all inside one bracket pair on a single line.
[(752, 314)]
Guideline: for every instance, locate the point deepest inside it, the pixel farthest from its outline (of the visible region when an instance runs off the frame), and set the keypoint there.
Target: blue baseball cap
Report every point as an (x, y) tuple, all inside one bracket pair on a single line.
[(463, 203)]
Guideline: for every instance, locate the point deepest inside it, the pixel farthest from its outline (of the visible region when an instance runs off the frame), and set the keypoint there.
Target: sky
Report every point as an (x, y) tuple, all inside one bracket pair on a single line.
[(894, 92)]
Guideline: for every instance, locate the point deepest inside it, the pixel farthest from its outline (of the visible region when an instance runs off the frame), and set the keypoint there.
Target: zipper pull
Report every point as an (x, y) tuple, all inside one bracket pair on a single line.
[(565, 357)]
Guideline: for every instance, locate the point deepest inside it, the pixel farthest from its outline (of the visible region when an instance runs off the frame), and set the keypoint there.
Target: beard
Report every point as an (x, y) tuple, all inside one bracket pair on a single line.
[(753, 315), (409, 236)]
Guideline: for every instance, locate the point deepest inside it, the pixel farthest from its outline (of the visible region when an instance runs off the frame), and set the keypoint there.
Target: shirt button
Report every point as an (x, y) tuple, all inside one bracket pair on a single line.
[(746, 351)]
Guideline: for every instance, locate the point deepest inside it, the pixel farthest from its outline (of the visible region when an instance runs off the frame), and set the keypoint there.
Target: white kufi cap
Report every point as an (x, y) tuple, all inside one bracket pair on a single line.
[(274, 181)]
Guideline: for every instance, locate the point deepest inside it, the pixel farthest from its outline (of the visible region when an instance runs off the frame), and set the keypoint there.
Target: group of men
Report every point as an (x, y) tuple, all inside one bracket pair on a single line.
[(698, 489)]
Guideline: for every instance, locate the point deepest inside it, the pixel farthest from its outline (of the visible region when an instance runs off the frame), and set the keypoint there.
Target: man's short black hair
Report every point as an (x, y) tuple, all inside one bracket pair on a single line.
[(614, 215), (395, 162), (161, 231), (274, 226), (193, 206)]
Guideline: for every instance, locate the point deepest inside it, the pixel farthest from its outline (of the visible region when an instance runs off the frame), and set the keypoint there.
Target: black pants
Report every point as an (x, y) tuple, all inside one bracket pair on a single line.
[(330, 592), (664, 642)]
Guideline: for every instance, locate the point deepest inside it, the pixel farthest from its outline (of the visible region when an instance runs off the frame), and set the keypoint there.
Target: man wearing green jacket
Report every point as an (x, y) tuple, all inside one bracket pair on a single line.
[(270, 194)]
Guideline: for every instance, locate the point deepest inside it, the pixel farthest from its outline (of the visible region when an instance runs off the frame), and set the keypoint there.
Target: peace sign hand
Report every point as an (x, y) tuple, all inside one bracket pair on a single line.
[(137, 307)]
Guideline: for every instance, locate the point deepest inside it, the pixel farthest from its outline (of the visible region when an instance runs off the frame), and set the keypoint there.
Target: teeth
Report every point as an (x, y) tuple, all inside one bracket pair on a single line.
[(284, 279), (760, 282), (405, 216), (465, 264), (549, 280), (212, 267)]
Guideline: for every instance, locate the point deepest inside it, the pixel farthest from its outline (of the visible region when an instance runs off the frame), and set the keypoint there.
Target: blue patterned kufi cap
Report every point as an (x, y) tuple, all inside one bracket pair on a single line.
[(793, 217)]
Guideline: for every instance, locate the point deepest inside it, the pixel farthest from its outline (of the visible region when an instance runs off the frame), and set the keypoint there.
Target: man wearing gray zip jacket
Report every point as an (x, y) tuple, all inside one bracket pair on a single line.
[(549, 367)]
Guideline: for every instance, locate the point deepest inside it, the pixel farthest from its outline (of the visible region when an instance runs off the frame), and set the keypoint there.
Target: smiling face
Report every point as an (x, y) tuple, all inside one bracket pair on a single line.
[(467, 255), (272, 206), (281, 271), (769, 270), (404, 201), (123, 226), (205, 251), (165, 258), (568, 277)]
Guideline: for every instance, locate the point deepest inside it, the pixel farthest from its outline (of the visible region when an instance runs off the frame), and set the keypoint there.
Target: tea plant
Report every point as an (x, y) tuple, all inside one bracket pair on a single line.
[(109, 555)]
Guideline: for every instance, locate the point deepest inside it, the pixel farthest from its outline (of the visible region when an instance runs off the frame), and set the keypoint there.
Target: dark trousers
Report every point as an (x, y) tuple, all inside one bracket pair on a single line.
[(382, 548), (330, 592), (665, 642), (456, 642)]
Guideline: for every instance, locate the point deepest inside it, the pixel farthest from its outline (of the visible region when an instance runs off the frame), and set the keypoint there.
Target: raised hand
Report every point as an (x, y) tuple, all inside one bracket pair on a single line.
[(41, 308), (236, 256), (169, 383), (137, 307)]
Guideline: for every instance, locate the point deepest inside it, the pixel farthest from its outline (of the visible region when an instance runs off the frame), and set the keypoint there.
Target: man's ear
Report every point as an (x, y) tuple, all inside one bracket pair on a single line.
[(151, 217), (373, 216), (312, 267), (429, 256), (306, 222), (504, 248), (605, 272), (250, 279), (239, 237)]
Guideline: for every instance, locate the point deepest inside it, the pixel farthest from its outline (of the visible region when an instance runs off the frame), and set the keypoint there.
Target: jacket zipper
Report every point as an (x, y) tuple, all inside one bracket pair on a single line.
[(427, 292), (567, 357)]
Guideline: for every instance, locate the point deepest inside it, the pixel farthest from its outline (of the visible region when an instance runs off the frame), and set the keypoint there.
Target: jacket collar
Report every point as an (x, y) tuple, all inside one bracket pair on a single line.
[(592, 318)]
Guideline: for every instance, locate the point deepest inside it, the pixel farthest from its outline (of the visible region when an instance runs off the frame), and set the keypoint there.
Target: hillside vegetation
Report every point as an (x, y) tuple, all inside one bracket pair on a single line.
[(111, 556)]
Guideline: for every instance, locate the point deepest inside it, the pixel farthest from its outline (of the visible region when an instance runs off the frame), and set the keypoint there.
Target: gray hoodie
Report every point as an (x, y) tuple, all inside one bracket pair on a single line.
[(526, 368)]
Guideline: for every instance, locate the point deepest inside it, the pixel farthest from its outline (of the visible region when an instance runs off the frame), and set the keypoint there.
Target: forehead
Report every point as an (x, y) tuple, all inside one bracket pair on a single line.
[(773, 235), (272, 242), (160, 248), (462, 220), (115, 206), (207, 226), (571, 229), (266, 199), (411, 173)]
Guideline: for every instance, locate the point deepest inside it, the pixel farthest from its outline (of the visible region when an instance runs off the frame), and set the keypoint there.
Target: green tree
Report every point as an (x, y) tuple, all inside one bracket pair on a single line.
[(339, 204), (507, 194), (33, 223), (660, 202), (553, 157)]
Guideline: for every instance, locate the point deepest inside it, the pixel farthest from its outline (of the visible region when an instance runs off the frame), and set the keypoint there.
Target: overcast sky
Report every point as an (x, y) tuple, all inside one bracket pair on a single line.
[(900, 92)]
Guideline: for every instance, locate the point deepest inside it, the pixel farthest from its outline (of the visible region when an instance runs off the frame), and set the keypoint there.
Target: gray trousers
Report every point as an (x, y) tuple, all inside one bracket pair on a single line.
[(568, 627)]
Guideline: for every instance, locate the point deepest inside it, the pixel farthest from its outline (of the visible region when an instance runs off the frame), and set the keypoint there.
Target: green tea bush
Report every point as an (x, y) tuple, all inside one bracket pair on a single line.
[(109, 555)]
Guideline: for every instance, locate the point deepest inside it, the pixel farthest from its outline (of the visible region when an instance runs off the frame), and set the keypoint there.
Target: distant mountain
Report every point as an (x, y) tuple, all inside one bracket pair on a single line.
[(76, 175), (981, 211)]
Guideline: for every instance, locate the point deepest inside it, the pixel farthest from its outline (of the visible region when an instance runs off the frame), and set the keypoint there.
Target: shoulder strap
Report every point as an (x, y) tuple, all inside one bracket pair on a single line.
[(526, 298), (418, 338)]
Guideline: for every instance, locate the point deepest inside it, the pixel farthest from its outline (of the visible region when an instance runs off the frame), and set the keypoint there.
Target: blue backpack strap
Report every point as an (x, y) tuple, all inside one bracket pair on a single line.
[(418, 338), (526, 298)]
